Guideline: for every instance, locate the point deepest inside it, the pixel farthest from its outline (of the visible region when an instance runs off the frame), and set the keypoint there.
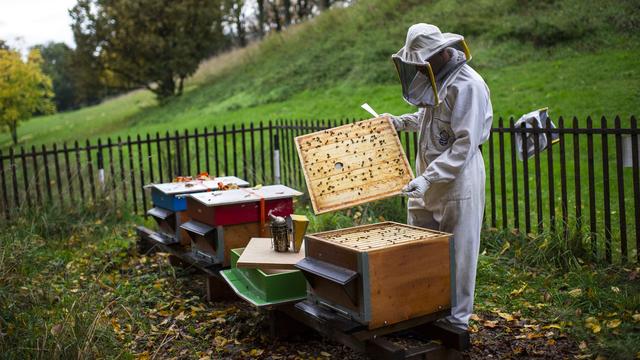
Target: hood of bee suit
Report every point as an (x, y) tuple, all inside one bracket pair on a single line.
[(420, 87)]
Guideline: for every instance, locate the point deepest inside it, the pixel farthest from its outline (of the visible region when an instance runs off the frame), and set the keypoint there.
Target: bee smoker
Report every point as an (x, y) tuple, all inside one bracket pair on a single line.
[(287, 232), (279, 233)]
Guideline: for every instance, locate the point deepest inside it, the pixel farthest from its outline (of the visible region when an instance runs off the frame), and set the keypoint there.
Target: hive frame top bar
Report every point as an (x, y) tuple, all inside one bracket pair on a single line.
[(239, 196), (361, 239), (196, 185), (353, 164)]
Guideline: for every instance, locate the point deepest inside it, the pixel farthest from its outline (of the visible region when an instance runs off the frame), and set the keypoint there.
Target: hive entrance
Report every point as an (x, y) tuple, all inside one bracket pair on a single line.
[(339, 166)]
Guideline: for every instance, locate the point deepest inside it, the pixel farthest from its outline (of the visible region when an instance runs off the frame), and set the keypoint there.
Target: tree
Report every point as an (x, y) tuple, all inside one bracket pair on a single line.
[(24, 89), (151, 43), (58, 65)]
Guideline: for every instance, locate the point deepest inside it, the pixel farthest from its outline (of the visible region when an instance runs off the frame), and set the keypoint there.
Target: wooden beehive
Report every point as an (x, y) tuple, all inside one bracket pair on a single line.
[(353, 164), (379, 274)]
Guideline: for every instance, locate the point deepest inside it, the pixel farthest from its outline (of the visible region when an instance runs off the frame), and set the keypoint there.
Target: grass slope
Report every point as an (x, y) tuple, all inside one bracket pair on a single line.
[(577, 57)]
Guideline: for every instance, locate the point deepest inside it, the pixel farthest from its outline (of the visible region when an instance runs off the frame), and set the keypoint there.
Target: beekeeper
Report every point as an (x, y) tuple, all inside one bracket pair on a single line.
[(453, 119)]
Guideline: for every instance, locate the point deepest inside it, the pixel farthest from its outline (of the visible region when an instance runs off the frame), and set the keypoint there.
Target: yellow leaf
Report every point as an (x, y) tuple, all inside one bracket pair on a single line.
[(636, 317), (612, 324), (475, 317), (256, 352), (164, 313), (505, 247), (220, 341), (615, 289), (575, 292), (552, 326), (325, 354), (519, 291), (506, 316)]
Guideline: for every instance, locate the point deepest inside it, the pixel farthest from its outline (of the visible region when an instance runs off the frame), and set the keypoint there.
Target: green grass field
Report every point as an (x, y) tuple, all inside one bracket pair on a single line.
[(576, 57)]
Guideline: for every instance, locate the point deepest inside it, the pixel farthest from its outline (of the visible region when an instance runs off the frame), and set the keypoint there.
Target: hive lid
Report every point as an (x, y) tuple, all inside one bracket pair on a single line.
[(260, 254), (377, 236), (196, 185), (239, 196), (353, 164)]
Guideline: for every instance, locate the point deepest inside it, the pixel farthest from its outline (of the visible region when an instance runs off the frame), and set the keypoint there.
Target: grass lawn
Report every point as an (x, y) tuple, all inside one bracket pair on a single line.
[(78, 288)]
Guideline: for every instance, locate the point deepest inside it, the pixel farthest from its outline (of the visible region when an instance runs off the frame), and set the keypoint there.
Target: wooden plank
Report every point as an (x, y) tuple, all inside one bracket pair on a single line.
[(259, 253), (353, 164)]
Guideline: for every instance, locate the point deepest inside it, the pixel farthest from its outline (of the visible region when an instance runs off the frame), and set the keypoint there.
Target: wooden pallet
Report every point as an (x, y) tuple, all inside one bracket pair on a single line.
[(353, 164), (439, 340)]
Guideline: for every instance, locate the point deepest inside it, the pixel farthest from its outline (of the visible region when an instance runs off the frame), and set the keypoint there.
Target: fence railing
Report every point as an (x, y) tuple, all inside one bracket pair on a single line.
[(586, 184)]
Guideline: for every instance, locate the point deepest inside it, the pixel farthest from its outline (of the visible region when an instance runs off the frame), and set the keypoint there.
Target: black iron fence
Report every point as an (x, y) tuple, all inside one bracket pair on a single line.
[(587, 183)]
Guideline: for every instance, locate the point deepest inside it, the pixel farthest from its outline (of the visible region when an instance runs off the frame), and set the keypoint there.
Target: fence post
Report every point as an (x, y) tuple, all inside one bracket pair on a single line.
[(100, 165), (276, 159)]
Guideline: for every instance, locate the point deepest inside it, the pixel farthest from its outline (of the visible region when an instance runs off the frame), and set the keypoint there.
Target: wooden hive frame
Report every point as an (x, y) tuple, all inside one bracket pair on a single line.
[(398, 278), (353, 164)]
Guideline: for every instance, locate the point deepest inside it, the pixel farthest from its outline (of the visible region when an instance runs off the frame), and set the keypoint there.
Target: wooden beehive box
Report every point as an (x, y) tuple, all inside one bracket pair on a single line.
[(170, 204), (379, 274), (353, 164)]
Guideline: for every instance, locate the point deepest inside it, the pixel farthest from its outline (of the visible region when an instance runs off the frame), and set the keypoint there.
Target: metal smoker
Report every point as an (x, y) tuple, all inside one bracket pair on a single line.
[(287, 232)]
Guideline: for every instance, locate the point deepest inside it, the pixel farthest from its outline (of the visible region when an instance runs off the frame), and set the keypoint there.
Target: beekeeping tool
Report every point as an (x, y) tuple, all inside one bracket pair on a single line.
[(288, 232)]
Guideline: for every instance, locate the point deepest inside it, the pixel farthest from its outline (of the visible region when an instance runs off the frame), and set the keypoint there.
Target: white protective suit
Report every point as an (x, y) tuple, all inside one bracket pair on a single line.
[(449, 158)]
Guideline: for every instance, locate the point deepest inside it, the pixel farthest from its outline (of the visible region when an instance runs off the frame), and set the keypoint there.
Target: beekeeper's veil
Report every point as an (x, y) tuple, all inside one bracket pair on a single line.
[(420, 86)]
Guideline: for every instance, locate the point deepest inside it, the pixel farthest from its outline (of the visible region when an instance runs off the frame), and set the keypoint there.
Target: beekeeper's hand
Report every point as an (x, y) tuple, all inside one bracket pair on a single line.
[(417, 187), (397, 123)]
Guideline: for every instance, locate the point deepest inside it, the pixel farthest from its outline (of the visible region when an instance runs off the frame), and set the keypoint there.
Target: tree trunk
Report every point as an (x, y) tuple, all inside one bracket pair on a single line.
[(166, 89), (13, 126), (242, 38), (180, 85), (276, 15), (286, 4), (260, 17)]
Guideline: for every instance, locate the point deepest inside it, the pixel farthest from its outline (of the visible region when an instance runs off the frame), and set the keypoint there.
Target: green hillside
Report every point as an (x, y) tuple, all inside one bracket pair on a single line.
[(577, 57)]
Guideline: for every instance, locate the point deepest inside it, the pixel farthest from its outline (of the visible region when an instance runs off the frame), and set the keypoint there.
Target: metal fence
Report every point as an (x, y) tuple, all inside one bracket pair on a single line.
[(587, 183)]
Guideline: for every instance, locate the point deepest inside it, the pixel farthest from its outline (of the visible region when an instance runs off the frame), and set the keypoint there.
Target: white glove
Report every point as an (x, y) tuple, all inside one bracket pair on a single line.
[(417, 187), (397, 123)]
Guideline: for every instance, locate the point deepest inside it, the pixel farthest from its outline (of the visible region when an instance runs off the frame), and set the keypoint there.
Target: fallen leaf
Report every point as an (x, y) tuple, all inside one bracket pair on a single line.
[(505, 247), (255, 352), (552, 326), (325, 354), (506, 316), (475, 317), (583, 346), (56, 329), (490, 324), (575, 292), (592, 324), (636, 317), (615, 289), (612, 324), (519, 291)]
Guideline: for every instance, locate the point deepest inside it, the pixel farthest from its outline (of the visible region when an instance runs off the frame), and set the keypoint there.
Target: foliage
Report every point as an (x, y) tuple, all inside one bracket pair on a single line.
[(150, 43), (24, 89), (57, 63)]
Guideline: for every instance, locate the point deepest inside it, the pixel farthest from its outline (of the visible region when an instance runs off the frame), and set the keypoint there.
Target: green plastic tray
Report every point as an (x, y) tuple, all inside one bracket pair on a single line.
[(265, 287)]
